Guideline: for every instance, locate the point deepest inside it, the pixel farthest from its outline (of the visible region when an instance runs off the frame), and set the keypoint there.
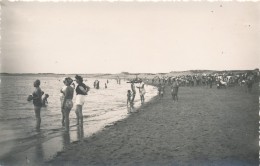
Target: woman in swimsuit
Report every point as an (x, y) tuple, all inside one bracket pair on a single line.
[(37, 102), (81, 92), (67, 102)]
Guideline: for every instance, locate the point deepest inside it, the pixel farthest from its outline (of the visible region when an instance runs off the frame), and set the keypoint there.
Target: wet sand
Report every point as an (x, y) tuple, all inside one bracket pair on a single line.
[(205, 127), (44, 144)]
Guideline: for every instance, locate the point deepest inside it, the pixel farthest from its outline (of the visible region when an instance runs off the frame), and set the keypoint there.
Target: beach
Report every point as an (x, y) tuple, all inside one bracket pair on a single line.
[(21, 144), (205, 127)]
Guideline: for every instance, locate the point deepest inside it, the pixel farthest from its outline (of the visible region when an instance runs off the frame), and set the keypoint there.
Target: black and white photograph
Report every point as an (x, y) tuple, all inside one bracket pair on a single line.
[(129, 83)]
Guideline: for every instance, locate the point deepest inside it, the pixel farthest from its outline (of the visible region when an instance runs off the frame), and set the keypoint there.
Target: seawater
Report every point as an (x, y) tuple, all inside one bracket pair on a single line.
[(19, 141)]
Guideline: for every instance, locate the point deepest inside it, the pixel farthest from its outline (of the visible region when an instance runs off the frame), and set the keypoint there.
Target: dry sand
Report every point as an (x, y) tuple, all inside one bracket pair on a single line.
[(206, 127)]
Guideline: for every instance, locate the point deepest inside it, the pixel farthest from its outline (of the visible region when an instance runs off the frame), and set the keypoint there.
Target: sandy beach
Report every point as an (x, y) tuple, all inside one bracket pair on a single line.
[(205, 127)]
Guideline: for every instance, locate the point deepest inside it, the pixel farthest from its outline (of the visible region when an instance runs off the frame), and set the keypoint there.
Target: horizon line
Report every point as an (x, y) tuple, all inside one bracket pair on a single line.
[(124, 72)]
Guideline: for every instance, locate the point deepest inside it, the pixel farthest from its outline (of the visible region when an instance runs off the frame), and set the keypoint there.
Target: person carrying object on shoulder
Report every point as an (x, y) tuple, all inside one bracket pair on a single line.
[(142, 91), (81, 92)]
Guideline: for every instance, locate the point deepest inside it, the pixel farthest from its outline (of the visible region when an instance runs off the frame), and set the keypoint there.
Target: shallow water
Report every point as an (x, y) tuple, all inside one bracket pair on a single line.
[(21, 144)]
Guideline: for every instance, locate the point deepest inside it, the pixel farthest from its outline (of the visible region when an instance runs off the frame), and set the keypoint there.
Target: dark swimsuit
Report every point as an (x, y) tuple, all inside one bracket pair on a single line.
[(78, 91), (38, 101)]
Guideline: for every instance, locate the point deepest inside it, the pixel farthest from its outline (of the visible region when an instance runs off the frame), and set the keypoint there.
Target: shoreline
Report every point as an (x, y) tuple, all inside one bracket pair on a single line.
[(182, 133), (49, 141)]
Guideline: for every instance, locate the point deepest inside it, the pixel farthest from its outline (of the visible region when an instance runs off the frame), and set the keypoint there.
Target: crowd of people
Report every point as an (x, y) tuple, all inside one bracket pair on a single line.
[(67, 91), (67, 94), (221, 80), (174, 84)]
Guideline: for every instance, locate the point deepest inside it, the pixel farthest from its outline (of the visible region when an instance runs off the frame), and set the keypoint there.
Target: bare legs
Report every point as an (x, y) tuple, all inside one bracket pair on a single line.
[(174, 97), (67, 119), (80, 132), (142, 99), (79, 114), (63, 117), (133, 98), (37, 111)]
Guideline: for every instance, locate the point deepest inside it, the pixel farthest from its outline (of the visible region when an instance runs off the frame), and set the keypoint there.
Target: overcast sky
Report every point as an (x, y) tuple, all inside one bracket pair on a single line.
[(103, 37)]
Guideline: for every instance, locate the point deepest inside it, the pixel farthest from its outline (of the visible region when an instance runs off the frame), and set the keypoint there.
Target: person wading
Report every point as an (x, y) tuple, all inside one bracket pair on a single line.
[(81, 92), (37, 102)]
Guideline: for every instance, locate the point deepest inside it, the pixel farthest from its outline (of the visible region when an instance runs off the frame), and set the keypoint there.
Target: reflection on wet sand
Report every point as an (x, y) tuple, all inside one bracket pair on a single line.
[(65, 139), (80, 132), (66, 136), (46, 143), (131, 108), (31, 156), (38, 152)]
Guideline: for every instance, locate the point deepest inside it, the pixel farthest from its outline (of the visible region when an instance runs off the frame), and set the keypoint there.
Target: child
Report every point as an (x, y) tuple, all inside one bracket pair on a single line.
[(44, 100), (129, 97), (30, 98)]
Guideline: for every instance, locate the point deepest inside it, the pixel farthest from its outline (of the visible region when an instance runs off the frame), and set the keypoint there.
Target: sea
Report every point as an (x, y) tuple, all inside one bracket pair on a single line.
[(21, 144)]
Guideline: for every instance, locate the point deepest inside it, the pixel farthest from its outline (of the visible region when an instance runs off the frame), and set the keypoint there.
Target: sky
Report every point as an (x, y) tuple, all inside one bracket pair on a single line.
[(136, 37)]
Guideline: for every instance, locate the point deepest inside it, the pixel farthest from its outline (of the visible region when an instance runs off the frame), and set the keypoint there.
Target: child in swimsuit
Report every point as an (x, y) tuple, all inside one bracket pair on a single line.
[(45, 100), (128, 97)]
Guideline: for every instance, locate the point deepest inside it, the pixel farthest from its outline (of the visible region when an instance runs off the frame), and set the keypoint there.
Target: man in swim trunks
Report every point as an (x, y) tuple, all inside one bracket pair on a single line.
[(141, 91)]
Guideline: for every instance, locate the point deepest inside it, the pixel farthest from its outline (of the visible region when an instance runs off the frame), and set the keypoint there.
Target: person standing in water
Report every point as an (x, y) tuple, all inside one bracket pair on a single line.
[(97, 86), (133, 91), (141, 91), (37, 102), (128, 101), (67, 103), (62, 93), (45, 100), (81, 92)]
